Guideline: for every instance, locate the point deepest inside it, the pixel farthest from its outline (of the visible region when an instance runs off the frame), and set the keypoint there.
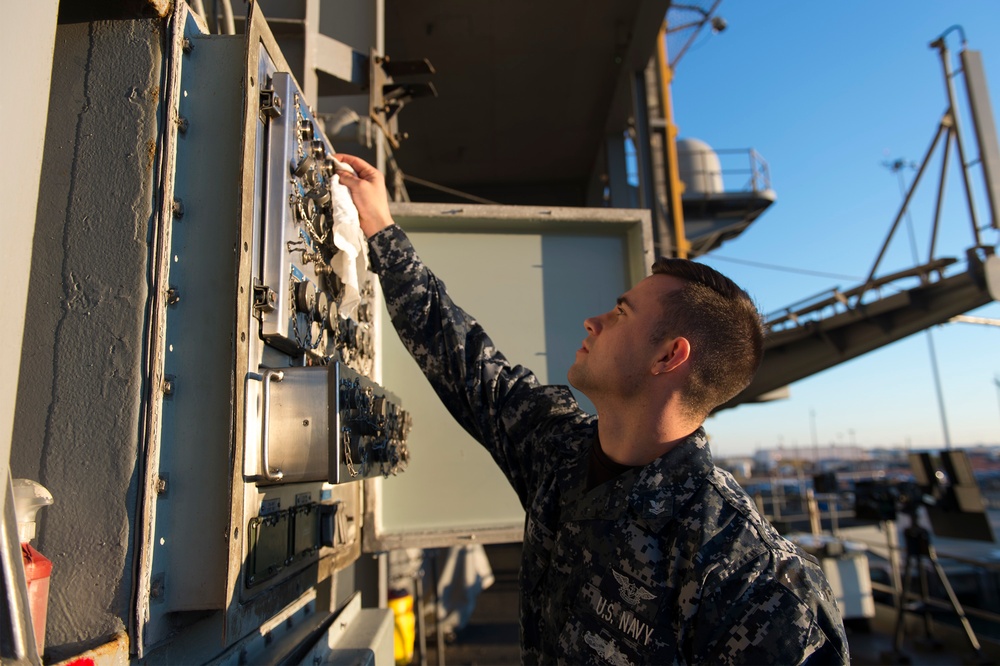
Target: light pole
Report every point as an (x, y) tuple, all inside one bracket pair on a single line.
[(996, 380), (896, 167), (815, 439)]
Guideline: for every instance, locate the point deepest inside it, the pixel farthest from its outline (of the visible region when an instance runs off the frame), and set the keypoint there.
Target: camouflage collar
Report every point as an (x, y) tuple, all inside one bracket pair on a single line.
[(604, 502), (665, 485), (653, 493)]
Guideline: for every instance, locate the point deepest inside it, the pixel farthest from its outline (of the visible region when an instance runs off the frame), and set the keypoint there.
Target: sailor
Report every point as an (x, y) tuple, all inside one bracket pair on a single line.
[(637, 549)]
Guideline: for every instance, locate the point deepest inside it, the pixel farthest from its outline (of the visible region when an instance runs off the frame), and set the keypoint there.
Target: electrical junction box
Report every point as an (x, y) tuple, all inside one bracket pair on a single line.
[(274, 449), (330, 423), (271, 413)]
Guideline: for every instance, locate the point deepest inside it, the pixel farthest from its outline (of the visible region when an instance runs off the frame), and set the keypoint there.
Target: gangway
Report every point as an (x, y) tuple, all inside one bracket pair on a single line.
[(836, 326), (831, 328)]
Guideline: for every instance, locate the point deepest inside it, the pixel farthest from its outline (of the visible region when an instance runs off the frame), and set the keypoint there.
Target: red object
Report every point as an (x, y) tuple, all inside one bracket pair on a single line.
[(37, 569)]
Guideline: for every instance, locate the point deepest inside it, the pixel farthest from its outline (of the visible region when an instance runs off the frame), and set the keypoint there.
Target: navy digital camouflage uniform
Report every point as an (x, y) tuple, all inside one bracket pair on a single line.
[(667, 563)]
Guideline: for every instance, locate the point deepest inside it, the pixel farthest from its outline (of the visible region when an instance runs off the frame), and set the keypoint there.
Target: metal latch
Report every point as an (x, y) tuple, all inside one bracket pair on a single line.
[(264, 298), (270, 103)]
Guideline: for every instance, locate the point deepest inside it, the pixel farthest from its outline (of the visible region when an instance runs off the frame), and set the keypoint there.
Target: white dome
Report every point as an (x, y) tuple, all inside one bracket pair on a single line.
[(699, 167)]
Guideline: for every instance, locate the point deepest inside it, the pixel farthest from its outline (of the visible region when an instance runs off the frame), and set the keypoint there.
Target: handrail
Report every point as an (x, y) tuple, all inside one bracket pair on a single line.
[(793, 313), (757, 171), (895, 551)]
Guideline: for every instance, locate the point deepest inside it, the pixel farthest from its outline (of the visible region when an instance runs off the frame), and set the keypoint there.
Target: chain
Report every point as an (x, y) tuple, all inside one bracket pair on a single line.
[(312, 231), (347, 452), (295, 318), (304, 344)]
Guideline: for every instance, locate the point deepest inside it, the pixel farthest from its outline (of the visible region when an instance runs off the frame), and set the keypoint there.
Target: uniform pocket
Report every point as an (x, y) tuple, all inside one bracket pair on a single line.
[(613, 621), (598, 632)]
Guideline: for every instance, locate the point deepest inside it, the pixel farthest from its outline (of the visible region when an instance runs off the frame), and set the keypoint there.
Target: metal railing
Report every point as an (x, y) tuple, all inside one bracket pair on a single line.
[(784, 509), (835, 301), (735, 164)]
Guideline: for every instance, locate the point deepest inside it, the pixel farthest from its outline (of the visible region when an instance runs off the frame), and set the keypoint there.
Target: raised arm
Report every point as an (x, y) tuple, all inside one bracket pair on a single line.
[(500, 405)]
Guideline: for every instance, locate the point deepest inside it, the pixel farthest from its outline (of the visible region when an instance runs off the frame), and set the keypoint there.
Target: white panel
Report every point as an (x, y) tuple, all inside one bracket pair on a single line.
[(530, 280), (28, 30), (992, 270), (501, 287), (986, 130)]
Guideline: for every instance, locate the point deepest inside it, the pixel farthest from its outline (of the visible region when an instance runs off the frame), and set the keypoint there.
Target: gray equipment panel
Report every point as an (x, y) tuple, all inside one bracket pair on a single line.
[(293, 435), (297, 294)]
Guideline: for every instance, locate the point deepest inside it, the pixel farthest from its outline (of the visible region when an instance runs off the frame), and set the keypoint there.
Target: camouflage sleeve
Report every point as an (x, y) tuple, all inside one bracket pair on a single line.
[(756, 615), (501, 406)]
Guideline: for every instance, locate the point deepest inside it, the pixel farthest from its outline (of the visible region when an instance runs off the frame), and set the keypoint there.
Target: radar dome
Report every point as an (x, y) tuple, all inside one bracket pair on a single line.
[(698, 166)]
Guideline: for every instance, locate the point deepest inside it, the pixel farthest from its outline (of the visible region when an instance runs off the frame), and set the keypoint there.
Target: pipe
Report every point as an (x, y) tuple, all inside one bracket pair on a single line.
[(674, 184)]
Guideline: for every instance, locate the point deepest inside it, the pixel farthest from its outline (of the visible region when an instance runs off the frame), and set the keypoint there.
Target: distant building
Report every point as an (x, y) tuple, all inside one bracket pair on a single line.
[(741, 468), (810, 454)]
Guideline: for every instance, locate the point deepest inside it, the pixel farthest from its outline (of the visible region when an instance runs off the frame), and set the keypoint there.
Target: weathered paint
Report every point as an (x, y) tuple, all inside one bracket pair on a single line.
[(80, 393), (112, 653)]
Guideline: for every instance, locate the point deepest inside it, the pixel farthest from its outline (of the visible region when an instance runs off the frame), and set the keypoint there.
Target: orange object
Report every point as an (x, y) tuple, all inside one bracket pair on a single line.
[(37, 569)]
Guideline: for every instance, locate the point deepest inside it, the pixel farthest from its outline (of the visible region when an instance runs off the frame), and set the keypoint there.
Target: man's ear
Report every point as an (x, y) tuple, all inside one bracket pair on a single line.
[(675, 355)]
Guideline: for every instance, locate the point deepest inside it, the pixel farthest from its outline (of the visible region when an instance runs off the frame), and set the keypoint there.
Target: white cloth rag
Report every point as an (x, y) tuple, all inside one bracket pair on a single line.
[(351, 263)]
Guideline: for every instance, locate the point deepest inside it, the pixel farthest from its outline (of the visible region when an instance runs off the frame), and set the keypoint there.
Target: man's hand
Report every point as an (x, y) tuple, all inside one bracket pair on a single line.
[(368, 192)]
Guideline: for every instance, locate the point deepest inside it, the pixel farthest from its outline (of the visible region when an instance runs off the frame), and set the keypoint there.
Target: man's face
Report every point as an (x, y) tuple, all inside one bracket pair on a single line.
[(617, 357)]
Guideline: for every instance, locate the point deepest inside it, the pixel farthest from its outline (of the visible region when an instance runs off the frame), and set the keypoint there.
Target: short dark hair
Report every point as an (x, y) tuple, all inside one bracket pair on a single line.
[(723, 325)]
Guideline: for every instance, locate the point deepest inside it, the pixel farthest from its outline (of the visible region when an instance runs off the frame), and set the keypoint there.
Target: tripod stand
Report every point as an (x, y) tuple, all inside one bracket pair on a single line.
[(919, 548)]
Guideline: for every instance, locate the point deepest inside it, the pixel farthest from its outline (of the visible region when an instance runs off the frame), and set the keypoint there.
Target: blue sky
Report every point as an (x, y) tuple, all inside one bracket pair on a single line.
[(826, 93)]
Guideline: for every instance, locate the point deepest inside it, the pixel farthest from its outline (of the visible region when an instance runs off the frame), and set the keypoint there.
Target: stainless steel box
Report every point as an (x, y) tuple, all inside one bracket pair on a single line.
[(328, 423)]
